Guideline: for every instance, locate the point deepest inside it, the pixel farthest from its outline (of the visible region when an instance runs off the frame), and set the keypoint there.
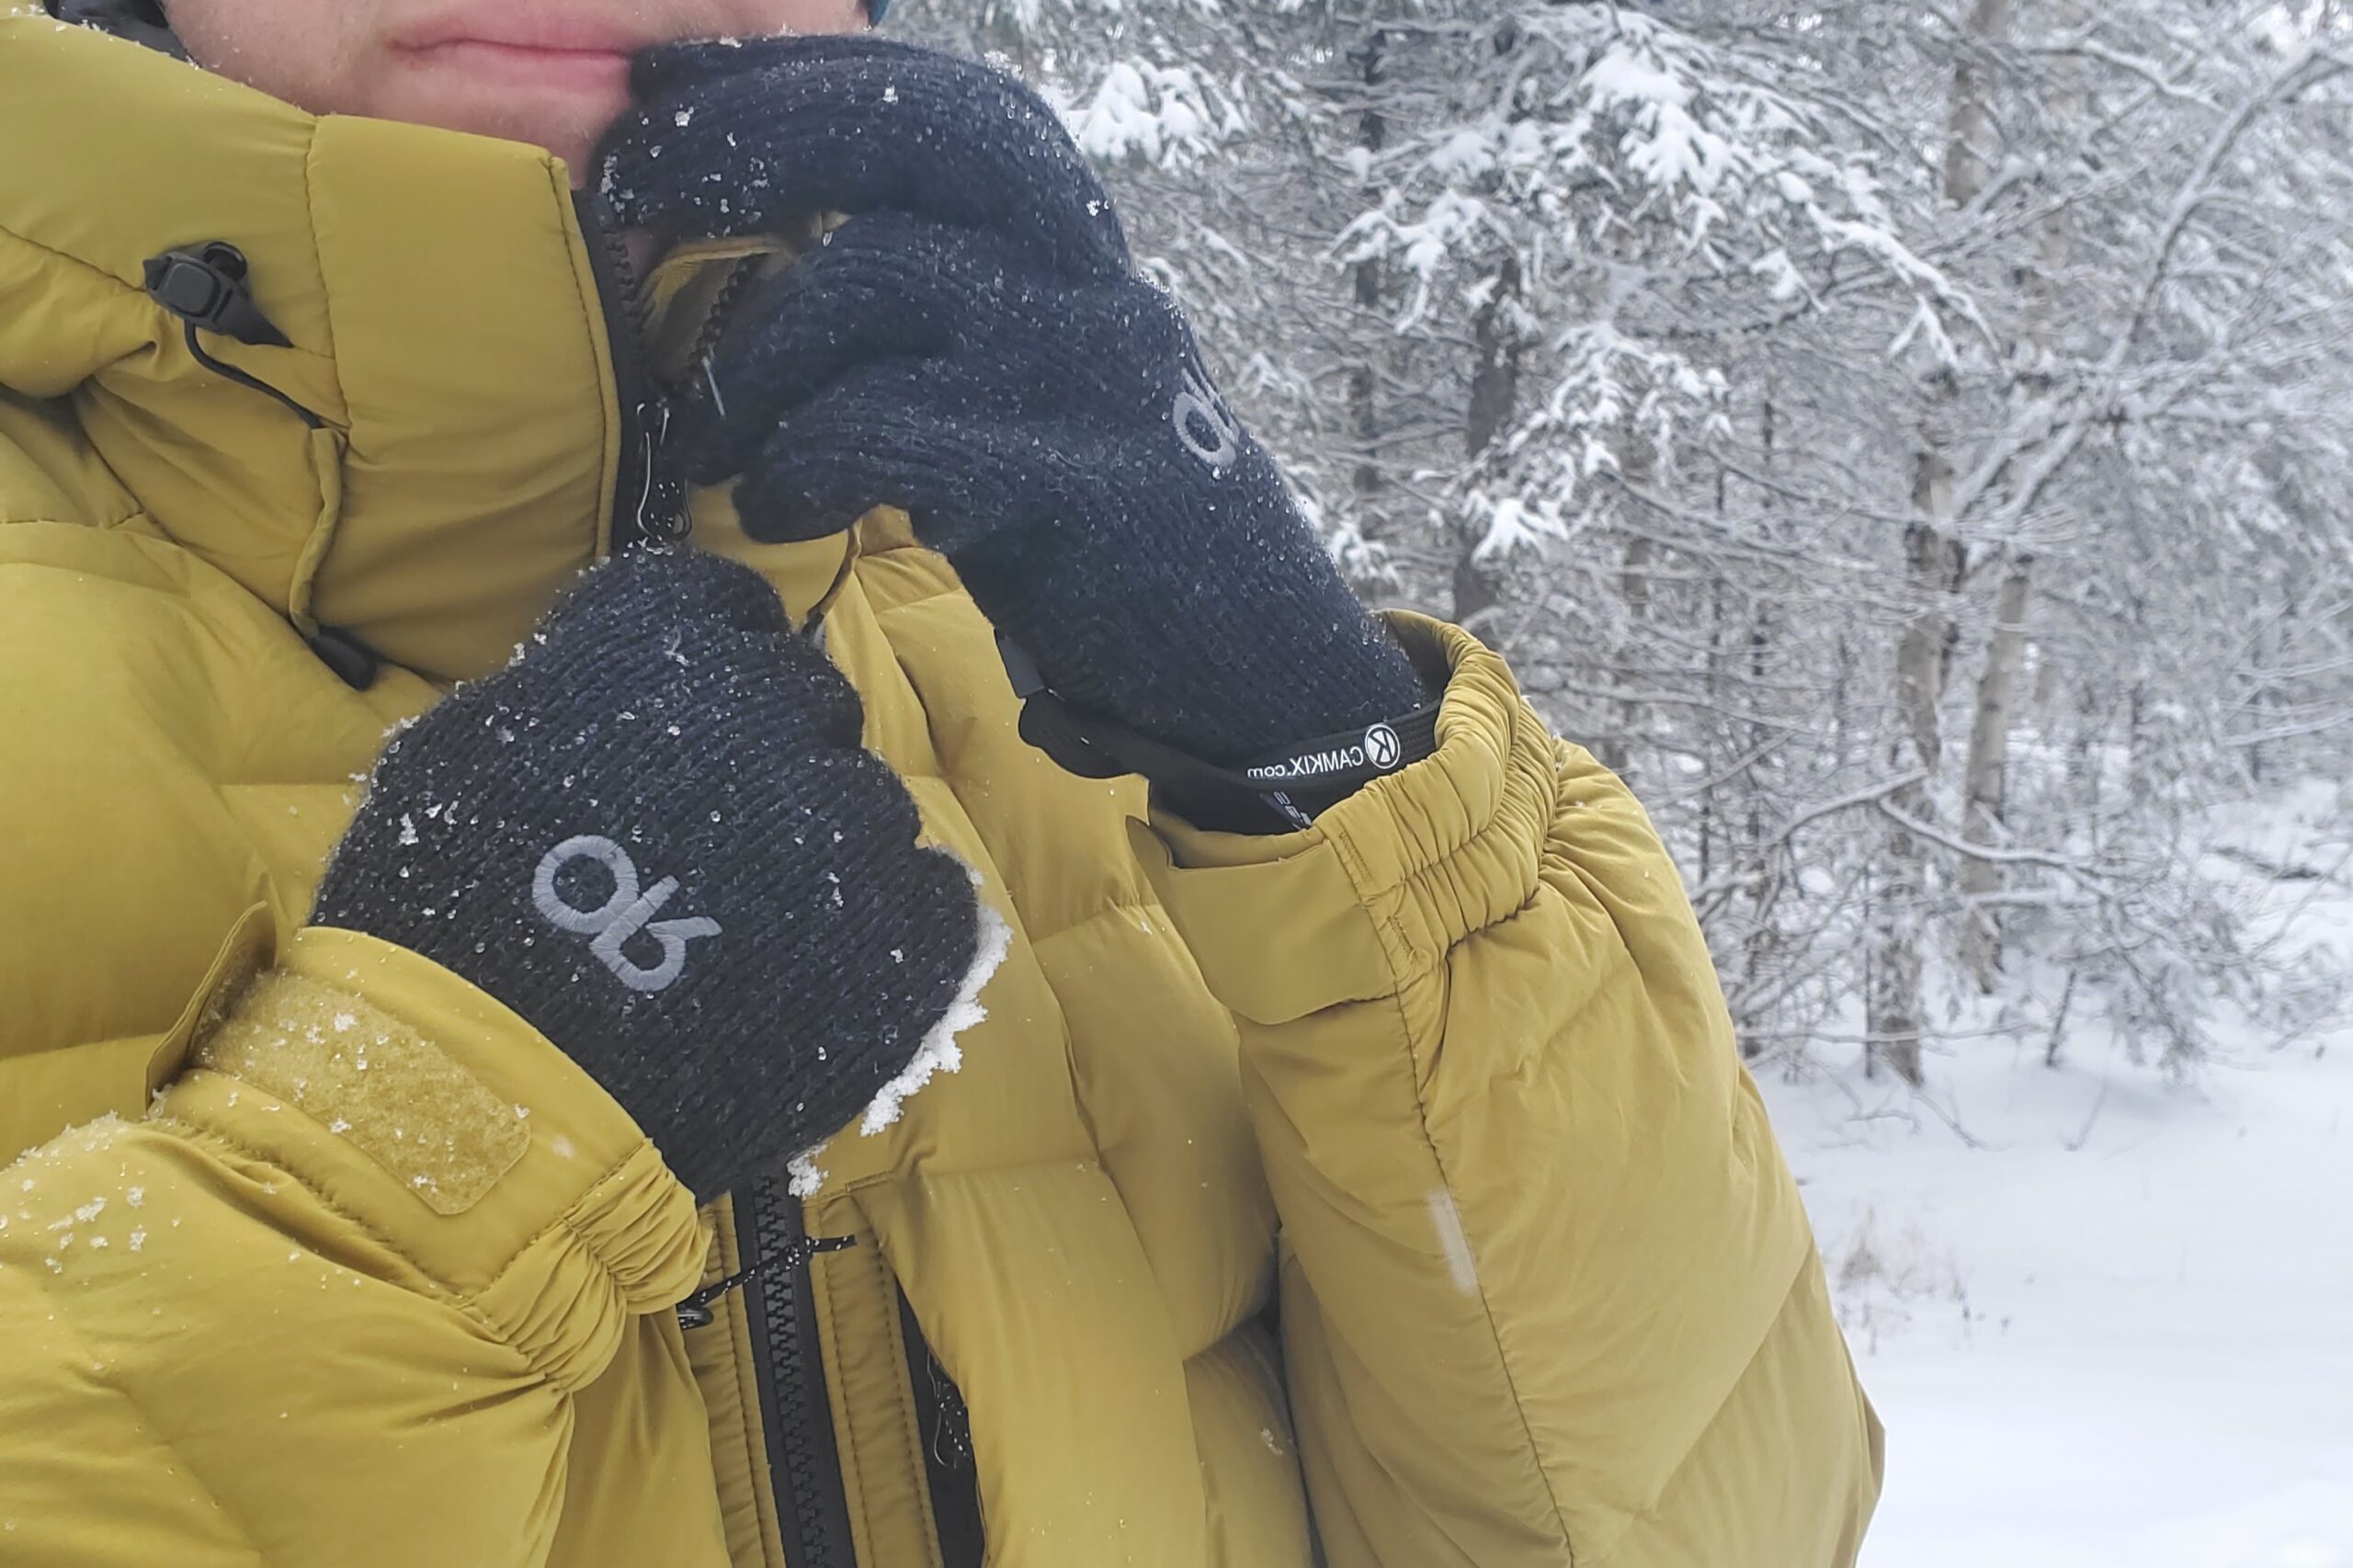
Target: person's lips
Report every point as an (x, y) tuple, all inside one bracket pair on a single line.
[(527, 46)]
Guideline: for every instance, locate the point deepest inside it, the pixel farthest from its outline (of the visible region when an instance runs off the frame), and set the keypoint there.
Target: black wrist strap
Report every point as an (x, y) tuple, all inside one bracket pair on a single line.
[(1276, 792)]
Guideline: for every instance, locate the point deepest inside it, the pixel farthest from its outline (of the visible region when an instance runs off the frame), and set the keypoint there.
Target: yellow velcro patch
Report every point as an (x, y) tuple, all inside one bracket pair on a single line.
[(374, 1082)]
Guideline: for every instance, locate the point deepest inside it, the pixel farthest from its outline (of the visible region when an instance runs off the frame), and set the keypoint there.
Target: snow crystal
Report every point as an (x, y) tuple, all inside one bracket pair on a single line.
[(939, 1053), (805, 1178)]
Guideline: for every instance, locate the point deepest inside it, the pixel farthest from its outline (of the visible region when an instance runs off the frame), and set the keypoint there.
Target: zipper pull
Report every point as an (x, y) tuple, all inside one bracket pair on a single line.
[(696, 1311), (951, 1427), (662, 515)]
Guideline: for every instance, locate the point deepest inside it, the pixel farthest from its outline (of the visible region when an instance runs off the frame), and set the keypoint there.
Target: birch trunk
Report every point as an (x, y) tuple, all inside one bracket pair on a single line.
[(1640, 465), (1935, 562), (1985, 774)]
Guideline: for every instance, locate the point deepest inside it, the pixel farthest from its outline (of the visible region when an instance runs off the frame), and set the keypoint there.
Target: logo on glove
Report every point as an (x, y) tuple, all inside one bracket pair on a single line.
[(621, 916), (1203, 422)]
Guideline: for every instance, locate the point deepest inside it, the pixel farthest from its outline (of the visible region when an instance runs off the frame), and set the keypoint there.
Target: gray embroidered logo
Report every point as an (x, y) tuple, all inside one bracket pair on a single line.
[(1382, 748), (1204, 424), (621, 916)]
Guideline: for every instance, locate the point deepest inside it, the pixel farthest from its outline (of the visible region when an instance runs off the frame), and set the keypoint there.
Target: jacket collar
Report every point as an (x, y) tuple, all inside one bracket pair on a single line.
[(444, 324)]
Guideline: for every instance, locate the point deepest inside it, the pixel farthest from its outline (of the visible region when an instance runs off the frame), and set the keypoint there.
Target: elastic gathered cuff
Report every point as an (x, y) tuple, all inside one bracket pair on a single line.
[(482, 1162), (1387, 880)]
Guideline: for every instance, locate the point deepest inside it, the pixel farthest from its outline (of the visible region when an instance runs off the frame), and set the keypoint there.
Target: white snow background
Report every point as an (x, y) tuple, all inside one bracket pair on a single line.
[(2118, 1331)]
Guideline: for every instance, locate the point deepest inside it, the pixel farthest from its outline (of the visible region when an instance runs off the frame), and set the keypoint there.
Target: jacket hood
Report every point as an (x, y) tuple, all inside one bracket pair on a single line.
[(445, 327)]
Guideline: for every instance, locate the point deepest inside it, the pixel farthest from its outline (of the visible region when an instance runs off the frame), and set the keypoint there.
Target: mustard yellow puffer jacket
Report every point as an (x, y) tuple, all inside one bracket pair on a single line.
[(1390, 1190)]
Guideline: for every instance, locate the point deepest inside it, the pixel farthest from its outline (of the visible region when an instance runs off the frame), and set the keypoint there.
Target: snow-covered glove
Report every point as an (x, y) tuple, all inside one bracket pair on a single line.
[(656, 836), (972, 345)]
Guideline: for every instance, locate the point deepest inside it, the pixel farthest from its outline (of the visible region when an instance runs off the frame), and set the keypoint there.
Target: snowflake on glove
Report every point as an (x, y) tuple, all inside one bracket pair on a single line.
[(972, 345)]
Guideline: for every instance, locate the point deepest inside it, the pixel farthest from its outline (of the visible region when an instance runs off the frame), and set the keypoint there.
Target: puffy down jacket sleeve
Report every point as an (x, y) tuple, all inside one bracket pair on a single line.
[(1549, 1296), (332, 1298)]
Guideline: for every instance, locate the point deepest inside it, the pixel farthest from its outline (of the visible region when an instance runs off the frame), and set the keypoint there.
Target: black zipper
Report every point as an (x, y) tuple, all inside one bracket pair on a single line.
[(648, 501), (804, 1470), (774, 1251), (946, 1431), (773, 1246)]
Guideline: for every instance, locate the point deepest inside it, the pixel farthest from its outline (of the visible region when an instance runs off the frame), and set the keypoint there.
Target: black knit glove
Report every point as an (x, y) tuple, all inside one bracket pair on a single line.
[(973, 347), (656, 836)]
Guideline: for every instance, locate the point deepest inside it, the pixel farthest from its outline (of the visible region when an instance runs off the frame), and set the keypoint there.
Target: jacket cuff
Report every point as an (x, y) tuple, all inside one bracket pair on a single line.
[(486, 1165), (1389, 879)]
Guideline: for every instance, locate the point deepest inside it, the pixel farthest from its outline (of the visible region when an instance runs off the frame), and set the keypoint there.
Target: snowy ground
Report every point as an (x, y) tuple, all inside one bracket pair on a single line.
[(2118, 1332)]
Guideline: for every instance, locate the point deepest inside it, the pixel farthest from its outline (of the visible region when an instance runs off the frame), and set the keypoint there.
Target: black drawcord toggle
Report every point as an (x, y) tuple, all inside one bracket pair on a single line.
[(205, 287), (694, 1312)]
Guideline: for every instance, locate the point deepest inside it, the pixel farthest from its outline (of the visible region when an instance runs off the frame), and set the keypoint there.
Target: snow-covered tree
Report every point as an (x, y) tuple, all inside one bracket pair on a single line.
[(1906, 440)]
